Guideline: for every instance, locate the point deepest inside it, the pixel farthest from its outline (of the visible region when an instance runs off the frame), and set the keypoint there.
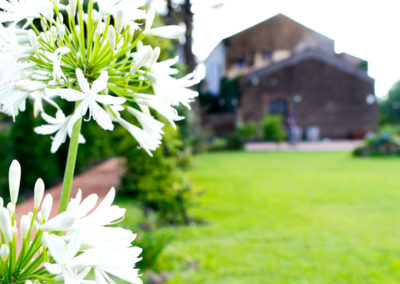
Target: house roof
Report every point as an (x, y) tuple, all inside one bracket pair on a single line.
[(296, 59), (277, 17)]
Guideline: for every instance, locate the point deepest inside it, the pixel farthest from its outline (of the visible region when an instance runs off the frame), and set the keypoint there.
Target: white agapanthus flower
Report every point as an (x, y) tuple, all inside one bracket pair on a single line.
[(60, 126), (15, 11), (97, 62), (89, 99), (76, 246)]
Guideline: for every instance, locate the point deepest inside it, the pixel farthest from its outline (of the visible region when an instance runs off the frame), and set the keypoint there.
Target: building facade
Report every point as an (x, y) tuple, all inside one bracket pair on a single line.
[(285, 68)]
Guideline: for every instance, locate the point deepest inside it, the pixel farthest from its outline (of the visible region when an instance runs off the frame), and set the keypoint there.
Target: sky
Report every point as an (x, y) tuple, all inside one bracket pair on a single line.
[(367, 29)]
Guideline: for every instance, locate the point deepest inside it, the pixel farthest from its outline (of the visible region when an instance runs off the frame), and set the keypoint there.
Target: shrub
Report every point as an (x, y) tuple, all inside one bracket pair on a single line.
[(379, 145), (159, 182), (273, 128), (153, 245), (248, 131), (19, 141)]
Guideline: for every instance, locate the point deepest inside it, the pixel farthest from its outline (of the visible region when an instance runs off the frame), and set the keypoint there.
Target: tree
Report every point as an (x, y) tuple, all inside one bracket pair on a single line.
[(389, 109)]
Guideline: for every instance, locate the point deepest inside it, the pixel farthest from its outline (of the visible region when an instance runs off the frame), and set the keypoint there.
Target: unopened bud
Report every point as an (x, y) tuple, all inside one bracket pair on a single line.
[(5, 224), (72, 7), (1, 202), (14, 177), (78, 29), (39, 216), (39, 191), (111, 37), (4, 252), (119, 20), (24, 226), (61, 32), (43, 24), (11, 208), (14, 231), (46, 207), (35, 226), (33, 40)]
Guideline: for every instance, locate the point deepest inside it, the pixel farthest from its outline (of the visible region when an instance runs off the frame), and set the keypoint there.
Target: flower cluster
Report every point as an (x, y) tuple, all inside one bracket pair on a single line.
[(94, 58), (76, 246)]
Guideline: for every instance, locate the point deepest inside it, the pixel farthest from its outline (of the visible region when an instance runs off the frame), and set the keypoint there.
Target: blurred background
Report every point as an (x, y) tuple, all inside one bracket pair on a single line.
[(284, 171)]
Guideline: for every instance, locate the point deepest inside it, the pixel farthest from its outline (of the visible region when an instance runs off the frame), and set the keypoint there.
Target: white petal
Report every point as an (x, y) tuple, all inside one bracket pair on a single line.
[(56, 247), (46, 129), (53, 268), (63, 222), (58, 139), (109, 100), (101, 83), (70, 95), (83, 83), (101, 116), (171, 32)]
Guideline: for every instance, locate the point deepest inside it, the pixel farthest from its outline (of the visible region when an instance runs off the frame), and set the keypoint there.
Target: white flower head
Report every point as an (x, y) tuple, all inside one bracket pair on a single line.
[(59, 125), (89, 98)]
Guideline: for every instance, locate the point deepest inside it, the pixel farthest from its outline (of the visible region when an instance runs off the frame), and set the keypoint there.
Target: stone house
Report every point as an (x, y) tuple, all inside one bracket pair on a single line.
[(285, 68)]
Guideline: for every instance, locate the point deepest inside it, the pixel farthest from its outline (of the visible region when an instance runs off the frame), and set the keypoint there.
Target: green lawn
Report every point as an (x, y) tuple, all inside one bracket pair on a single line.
[(291, 218)]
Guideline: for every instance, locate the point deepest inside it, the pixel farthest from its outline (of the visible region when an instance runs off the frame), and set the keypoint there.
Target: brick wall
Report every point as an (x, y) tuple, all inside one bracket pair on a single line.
[(331, 99)]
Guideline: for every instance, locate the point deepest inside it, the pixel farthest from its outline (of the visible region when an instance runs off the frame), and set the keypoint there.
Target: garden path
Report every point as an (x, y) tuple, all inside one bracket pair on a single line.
[(98, 179), (318, 146)]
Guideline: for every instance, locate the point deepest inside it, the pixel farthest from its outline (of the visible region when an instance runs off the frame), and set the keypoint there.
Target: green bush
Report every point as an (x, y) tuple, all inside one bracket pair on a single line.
[(153, 245), (234, 141), (248, 131), (379, 145), (159, 183), (273, 128), (19, 141)]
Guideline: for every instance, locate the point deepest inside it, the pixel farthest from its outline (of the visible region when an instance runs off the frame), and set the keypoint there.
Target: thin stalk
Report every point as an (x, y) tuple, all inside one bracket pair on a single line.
[(70, 167)]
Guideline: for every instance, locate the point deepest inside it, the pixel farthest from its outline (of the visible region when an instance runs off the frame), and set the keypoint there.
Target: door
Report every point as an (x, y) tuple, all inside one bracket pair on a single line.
[(278, 106)]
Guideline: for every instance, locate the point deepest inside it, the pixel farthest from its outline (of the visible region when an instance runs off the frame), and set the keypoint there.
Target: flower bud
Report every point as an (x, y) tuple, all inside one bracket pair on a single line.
[(60, 18), (35, 226), (95, 15), (46, 207), (30, 215), (119, 20), (39, 191), (100, 29), (11, 208), (53, 31), (14, 177), (43, 24), (14, 231), (24, 226), (33, 40), (111, 37), (4, 252), (72, 7), (5, 224), (61, 32), (78, 29), (39, 216), (1, 202)]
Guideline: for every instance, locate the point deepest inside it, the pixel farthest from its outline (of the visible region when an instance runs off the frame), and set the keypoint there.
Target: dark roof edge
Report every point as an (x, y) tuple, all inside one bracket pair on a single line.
[(271, 18), (306, 56)]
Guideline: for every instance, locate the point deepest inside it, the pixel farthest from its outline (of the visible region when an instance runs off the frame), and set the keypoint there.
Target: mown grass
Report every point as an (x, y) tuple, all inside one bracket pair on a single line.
[(290, 218)]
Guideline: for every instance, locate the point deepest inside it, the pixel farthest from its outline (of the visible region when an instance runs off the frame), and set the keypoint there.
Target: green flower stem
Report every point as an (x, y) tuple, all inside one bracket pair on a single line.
[(70, 167)]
